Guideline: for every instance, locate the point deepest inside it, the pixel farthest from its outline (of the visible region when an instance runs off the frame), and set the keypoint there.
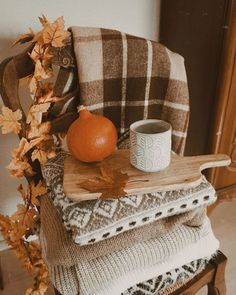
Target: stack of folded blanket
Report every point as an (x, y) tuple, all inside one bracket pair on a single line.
[(108, 246), (141, 244)]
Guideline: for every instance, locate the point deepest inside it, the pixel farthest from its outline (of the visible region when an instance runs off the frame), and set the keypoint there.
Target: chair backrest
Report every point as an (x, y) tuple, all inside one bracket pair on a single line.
[(62, 113)]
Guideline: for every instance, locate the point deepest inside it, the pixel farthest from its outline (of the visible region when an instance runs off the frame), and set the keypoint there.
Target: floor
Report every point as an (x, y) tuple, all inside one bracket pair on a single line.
[(15, 280)]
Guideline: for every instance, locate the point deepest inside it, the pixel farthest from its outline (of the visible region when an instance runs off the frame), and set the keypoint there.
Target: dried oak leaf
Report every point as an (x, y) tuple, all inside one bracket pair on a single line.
[(39, 130), (44, 94), (21, 190), (41, 72), (21, 150), (24, 38), (111, 183), (5, 225), (33, 85), (36, 192), (55, 34), (26, 216), (18, 230), (43, 20), (20, 168), (24, 147), (9, 120), (45, 150), (42, 155), (48, 56), (35, 113), (37, 52)]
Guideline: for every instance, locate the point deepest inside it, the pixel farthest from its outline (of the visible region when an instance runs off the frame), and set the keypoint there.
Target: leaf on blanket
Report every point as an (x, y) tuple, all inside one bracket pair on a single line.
[(110, 184)]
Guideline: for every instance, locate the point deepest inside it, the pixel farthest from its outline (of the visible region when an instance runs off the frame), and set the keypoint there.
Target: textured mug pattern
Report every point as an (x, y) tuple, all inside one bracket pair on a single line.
[(150, 152)]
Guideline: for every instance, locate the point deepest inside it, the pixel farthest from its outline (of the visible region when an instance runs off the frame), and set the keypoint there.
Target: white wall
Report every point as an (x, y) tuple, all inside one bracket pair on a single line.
[(138, 17)]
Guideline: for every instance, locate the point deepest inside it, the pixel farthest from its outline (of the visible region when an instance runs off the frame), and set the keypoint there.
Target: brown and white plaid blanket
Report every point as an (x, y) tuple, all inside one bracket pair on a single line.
[(128, 78)]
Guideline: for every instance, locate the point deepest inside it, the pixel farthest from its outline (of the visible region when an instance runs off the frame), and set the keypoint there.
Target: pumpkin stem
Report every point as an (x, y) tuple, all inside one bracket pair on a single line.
[(83, 112), (80, 108)]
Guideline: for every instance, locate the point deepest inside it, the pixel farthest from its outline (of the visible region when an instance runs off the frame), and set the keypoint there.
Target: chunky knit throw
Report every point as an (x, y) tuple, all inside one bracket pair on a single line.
[(114, 265)]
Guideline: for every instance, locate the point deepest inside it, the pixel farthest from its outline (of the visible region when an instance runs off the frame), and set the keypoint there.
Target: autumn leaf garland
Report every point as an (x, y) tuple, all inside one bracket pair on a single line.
[(38, 145)]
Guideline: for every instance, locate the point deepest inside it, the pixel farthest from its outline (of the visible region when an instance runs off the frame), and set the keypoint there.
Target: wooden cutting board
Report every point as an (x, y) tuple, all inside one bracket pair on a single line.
[(183, 172)]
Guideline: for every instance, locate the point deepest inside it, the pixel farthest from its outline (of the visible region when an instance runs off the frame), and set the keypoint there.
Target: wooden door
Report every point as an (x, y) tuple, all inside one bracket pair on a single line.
[(223, 139), (204, 32)]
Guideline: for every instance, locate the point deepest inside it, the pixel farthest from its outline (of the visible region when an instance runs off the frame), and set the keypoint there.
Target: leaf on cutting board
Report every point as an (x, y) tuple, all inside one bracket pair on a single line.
[(110, 184)]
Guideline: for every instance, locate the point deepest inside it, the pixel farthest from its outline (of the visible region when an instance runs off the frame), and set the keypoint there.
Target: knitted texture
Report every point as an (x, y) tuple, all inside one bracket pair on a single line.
[(60, 249), (67, 282), (115, 272), (93, 221), (168, 282)]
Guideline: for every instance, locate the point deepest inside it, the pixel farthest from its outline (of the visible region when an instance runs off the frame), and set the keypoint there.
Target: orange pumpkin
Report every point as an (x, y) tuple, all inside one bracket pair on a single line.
[(91, 137)]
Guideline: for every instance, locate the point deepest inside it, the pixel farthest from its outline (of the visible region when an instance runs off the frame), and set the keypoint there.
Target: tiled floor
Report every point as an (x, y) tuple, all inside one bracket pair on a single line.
[(224, 225)]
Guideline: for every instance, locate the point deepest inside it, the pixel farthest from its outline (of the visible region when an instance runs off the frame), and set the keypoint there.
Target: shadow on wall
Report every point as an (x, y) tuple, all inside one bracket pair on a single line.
[(8, 185)]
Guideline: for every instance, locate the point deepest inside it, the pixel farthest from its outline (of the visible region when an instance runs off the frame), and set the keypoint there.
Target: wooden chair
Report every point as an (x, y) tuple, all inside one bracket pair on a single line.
[(15, 68)]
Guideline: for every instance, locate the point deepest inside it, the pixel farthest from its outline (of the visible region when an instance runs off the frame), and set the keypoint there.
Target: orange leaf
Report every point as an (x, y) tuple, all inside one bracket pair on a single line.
[(22, 192), (25, 216), (37, 52), (20, 168), (111, 183), (33, 86), (45, 94), (37, 191), (43, 20), (54, 33), (47, 57), (18, 230), (5, 224), (39, 130), (41, 73), (35, 113), (42, 155), (24, 147), (9, 120), (24, 38)]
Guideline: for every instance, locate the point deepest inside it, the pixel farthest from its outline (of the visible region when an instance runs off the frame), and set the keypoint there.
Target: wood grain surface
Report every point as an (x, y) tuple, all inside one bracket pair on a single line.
[(183, 172)]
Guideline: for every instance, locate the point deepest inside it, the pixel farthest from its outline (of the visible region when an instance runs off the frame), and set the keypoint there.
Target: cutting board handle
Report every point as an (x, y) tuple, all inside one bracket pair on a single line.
[(211, 161)]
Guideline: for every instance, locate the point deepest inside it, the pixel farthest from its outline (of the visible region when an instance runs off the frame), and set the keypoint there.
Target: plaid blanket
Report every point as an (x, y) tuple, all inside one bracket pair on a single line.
[(127, 78)]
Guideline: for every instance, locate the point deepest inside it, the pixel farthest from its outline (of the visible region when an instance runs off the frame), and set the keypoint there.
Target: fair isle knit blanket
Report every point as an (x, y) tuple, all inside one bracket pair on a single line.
[(128, 78), (92, 221)]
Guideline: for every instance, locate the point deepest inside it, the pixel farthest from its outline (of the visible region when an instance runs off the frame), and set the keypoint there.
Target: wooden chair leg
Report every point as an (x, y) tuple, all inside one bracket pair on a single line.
[(217, 285)]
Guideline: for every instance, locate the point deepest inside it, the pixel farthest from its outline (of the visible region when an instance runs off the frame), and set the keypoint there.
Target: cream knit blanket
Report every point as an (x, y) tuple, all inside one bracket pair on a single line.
[(114, 272), (112, 266)]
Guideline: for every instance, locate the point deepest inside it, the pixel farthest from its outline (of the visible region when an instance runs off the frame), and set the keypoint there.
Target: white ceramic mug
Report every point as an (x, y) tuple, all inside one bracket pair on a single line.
[(150, 145)]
